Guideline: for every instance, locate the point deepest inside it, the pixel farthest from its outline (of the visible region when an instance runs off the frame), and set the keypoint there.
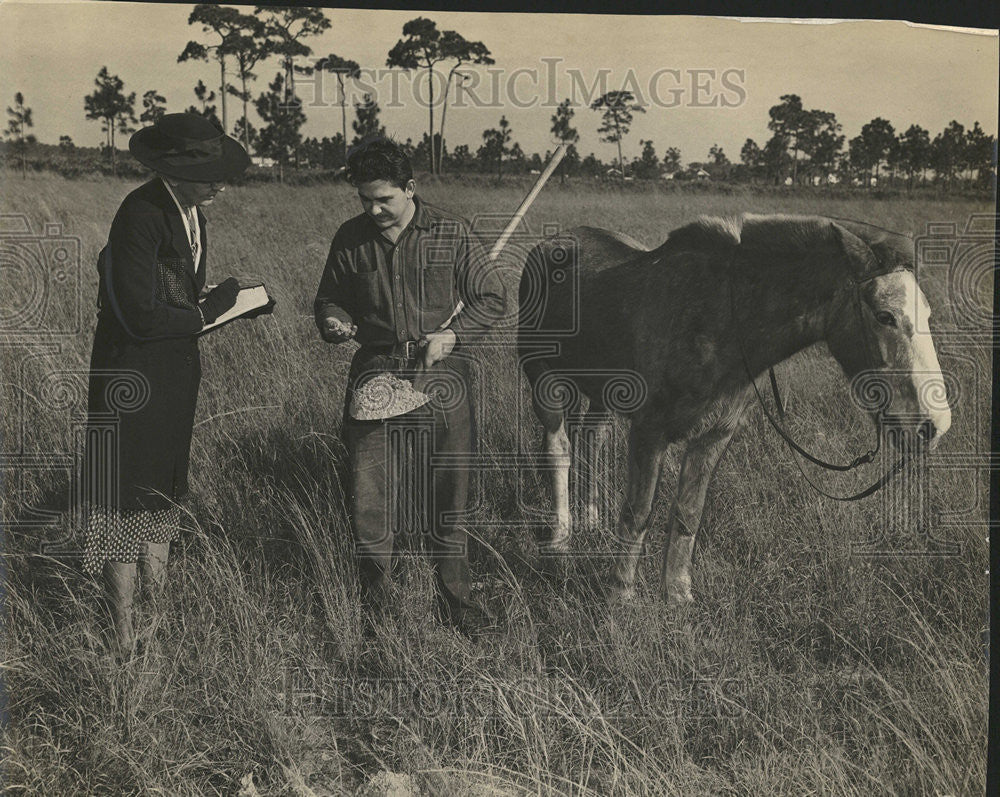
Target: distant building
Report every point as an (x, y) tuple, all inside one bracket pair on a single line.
[(262, 162), (701, 174), (828, 179)]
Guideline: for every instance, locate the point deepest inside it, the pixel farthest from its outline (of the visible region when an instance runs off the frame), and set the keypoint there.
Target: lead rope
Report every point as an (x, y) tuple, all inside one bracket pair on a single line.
[(869, 456)]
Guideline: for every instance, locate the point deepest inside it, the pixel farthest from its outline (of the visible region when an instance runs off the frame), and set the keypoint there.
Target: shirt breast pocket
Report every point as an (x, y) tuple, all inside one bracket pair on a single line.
[(368, 292), (437, 287)]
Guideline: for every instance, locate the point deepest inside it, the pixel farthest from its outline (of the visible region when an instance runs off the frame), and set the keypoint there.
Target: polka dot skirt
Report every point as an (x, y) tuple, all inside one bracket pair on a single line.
[(121, 536)]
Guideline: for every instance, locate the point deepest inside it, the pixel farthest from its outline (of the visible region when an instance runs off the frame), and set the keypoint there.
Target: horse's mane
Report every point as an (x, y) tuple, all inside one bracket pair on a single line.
[(892, 249), (622, 238), (710, 233), (781, 232)]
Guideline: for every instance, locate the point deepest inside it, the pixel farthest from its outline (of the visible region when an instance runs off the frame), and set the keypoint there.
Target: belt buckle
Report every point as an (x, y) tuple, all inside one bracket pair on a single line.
[(410, 350), (404, 353)]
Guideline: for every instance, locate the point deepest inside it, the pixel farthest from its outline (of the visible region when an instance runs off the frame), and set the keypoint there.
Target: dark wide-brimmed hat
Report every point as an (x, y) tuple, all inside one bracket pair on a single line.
[(189, 147)]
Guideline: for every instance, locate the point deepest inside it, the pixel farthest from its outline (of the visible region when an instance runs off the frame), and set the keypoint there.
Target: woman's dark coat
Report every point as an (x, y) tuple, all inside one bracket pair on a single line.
[(145, 366)]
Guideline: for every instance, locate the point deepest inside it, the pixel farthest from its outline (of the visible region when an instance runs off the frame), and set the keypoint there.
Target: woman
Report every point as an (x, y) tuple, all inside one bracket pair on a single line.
[(145, 367)]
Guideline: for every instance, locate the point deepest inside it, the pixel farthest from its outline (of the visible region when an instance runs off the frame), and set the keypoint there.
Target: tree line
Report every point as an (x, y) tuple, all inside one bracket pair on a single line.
[(806, 146)]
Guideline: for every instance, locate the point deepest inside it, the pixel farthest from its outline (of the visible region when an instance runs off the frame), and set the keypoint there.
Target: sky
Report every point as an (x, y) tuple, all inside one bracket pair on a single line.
[(702, 80)]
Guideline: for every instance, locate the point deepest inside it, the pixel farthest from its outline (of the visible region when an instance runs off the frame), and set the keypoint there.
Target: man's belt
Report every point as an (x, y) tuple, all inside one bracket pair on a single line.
[(404, 351)]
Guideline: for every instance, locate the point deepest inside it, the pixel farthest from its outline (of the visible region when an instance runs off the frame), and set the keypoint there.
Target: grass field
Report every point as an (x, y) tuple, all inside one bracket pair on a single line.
[(800, 669)]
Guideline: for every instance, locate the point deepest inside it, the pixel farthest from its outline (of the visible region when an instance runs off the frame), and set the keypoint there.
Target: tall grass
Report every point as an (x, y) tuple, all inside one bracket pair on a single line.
[(801, 668)]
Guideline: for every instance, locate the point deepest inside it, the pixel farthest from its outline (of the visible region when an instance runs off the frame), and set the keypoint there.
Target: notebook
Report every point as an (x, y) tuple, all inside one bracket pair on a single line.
[(248, 299)]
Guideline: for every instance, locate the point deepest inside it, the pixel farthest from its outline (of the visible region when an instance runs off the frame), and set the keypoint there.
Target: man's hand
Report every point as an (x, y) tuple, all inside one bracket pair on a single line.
[(437, 346), (336, 331)]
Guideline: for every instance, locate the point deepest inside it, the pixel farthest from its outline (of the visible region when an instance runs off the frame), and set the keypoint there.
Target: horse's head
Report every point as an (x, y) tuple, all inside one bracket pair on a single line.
[(878, 331)]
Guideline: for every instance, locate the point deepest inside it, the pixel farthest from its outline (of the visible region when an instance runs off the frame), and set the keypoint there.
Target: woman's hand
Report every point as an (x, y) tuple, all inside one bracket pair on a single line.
[(221, 298)]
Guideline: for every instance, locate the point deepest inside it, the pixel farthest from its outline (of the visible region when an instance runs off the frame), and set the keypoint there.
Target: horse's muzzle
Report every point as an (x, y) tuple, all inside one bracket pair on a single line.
[(911, 437)]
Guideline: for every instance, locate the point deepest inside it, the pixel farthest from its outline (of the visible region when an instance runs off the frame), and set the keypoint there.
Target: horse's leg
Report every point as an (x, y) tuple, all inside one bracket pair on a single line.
[(700, 460), (592, 435), (645, 453), (557, 450), (551, 411)]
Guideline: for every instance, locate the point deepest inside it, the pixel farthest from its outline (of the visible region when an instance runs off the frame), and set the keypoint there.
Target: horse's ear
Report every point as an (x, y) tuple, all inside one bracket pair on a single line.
[(856, 250)]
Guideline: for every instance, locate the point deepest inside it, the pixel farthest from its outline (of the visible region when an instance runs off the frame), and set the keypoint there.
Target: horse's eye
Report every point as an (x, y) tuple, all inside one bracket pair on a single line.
[(885, 318)]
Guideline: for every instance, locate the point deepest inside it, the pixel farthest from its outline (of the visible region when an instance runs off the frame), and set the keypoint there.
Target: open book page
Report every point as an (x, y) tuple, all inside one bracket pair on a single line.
[(246, 300)]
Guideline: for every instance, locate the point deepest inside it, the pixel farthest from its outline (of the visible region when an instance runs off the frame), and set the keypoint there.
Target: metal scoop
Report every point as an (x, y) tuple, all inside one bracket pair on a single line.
[(383, 396)]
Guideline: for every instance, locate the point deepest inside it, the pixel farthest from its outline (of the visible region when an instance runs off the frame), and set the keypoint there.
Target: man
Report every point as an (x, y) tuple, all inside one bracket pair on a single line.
[(152, 273), (394, 277)]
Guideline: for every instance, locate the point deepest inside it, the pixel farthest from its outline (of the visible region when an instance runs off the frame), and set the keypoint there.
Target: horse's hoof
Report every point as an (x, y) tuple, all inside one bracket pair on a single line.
[(620, 593), (676, 596), (556, 546)]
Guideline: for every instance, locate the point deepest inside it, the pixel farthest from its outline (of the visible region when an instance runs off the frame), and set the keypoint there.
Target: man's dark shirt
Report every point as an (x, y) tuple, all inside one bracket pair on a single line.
[(400, 291)]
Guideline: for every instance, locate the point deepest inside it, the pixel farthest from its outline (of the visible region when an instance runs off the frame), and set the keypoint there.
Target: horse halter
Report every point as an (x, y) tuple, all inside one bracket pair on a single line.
[(856, 282)]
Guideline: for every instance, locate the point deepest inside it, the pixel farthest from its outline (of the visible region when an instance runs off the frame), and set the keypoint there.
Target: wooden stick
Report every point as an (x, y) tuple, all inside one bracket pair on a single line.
[(550, 167)]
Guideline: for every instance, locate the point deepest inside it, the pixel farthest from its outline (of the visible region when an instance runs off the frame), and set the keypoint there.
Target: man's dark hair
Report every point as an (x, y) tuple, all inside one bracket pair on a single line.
[(379, 159)]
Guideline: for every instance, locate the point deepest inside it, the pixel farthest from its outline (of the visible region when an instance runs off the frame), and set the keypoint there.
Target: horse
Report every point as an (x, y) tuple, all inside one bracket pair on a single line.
[(673, 338)]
